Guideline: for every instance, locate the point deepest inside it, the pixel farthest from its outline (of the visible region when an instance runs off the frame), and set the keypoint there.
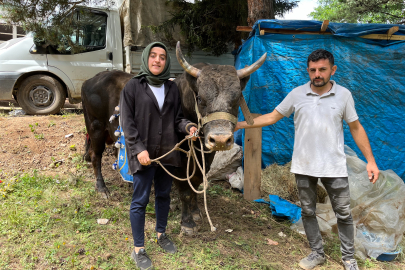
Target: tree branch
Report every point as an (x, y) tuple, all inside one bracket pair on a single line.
[(389, 14)]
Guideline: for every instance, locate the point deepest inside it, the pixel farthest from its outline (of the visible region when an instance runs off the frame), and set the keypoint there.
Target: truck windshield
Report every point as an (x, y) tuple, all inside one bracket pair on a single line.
[(89, 34), (91, 30)]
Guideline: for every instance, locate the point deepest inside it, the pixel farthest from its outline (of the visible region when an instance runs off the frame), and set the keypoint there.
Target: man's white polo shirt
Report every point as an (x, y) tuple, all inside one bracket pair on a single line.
[(318, 120)]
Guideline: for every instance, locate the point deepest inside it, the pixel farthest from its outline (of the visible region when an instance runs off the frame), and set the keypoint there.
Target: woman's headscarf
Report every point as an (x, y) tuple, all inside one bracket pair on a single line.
[(154, 80)]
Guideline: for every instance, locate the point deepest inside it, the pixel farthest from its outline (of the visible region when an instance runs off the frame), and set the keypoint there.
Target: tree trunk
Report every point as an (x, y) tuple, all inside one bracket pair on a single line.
[(259, 9)]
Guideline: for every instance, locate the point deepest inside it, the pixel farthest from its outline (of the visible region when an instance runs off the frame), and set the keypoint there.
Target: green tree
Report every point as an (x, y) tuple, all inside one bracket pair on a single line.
[(210, 24), (361, 11), (52, 21), (207, 24)]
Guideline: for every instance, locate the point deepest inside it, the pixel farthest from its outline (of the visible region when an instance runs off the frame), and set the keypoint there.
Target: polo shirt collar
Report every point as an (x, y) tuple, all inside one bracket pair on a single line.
[(331, 91)]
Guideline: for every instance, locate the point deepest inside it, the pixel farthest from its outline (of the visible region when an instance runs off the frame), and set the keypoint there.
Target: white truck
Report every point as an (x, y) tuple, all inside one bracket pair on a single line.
[(41, 79)]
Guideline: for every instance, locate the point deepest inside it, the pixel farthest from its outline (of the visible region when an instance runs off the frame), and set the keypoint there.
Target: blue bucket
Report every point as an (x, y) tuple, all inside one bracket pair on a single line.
[(389, 256)]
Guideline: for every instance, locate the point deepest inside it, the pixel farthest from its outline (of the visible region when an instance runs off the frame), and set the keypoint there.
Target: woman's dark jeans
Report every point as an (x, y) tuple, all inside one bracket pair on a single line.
[(142, 185)]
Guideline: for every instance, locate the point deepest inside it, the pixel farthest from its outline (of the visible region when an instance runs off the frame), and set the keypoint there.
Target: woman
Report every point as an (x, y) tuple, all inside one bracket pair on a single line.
[(151, 117)]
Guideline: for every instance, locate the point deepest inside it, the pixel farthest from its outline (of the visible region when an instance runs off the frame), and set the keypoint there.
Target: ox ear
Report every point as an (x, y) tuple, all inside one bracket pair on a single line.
[(243, 82), (245, 109), (192, 82)]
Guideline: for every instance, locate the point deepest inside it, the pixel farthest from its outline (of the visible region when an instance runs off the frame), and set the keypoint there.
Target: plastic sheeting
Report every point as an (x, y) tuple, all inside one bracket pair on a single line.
[(378, 210), (225, 163), (371, 70), (137, 15), (282, 208)]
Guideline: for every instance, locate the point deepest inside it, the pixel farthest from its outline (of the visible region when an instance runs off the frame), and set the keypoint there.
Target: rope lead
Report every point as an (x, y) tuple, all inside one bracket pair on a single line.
[(191, 154)]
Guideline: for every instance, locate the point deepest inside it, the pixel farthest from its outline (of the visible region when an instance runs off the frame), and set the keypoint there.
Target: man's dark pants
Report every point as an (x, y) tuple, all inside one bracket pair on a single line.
[(339, 194), (142, 185)]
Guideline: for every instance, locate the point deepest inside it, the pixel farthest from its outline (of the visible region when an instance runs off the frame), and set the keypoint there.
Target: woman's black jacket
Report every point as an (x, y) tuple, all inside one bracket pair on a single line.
[(146, 127)]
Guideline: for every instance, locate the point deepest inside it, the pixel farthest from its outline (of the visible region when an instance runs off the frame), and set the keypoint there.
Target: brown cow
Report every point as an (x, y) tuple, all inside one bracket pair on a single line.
[(217, 89)]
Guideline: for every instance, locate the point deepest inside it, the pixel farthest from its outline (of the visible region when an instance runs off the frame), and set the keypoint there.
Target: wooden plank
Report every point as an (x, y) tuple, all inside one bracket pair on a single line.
[(392, 30), (243, 28), (281, 31), (384, 37), (324, 25), (294, 32), (252, 162)]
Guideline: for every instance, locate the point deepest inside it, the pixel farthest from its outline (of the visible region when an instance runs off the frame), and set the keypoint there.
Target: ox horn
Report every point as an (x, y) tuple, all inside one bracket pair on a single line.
[(242, 73), (195, 72)]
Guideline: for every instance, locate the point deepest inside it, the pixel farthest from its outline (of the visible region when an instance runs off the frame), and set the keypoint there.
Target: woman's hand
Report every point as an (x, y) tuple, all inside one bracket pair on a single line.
[(192, 131), (143, 158)]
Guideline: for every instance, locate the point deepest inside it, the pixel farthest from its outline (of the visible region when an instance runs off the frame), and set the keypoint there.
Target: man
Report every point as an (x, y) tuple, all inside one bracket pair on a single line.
[(320, 107)]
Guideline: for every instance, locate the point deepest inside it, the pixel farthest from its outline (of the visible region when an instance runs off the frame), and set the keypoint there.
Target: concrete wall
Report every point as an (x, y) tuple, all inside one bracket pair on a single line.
[(8, 32)]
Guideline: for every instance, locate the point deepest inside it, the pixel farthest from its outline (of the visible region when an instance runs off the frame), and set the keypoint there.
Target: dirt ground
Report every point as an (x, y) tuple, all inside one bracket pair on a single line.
[(29, 142), (42, 142), (45, 143)]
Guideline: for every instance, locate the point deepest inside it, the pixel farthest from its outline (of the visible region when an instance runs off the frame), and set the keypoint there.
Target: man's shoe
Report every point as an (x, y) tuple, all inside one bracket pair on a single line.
[(165, 243), (142, 259), (312, 260), (352, 265)]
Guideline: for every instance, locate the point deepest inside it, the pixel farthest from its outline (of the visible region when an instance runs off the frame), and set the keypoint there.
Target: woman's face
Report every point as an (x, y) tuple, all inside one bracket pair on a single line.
[(157, 60)]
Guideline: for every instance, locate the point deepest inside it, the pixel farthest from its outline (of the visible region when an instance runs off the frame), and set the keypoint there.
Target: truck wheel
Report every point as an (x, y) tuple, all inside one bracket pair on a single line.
[(41, 95)]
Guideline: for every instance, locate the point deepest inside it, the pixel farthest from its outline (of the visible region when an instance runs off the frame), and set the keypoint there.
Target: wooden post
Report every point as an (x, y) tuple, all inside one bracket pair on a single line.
[(324, 25), (261, 31), (253, 162)]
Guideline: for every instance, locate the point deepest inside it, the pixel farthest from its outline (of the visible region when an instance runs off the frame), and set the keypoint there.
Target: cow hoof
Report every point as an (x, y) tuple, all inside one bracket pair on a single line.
[(197, 216), (104, 192), (87, 158), (189, 231)]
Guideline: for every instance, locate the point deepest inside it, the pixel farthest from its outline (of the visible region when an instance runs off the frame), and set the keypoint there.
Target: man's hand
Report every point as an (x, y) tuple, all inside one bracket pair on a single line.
[(192, 131), (143, 158), (361, 139), (261, 121), (238, 126), (373, 172)]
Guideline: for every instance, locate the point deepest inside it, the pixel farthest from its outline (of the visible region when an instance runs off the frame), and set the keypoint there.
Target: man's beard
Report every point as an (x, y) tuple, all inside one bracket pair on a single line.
[(320, 83)]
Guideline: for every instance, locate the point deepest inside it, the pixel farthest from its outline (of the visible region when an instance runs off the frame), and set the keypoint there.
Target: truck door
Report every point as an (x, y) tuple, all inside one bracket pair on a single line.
[(96, 56)]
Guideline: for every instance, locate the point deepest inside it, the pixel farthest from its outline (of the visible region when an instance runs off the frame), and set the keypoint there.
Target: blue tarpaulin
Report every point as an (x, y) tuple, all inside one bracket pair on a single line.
[(373, 70), (123, 167), (282, 208)]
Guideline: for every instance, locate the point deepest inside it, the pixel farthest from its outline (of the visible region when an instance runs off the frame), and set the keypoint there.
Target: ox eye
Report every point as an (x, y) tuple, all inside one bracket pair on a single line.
[(198, 99)]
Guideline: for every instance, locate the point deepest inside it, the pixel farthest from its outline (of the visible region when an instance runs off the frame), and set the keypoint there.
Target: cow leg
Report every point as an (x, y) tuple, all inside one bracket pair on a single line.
[(195, 211), (87, 142), (87, 148), (98, 137), (188, 225)]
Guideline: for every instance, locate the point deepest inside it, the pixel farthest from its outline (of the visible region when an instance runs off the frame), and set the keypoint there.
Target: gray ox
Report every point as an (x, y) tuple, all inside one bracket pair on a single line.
[(217, 89)]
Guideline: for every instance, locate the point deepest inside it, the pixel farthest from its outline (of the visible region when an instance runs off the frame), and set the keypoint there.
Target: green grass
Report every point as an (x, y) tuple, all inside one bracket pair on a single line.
[(46, 221), (50, 223)]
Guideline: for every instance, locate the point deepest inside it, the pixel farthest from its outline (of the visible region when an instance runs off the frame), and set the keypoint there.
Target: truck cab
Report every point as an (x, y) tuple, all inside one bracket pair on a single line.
[(41, 78)]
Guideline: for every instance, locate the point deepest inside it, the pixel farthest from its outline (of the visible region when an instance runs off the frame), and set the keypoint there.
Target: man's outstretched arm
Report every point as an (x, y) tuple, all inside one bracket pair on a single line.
[(261, 121), (361, 139)]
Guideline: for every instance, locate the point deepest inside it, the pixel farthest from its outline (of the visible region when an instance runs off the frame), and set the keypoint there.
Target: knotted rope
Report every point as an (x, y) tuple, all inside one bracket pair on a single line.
[(191, 154)]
